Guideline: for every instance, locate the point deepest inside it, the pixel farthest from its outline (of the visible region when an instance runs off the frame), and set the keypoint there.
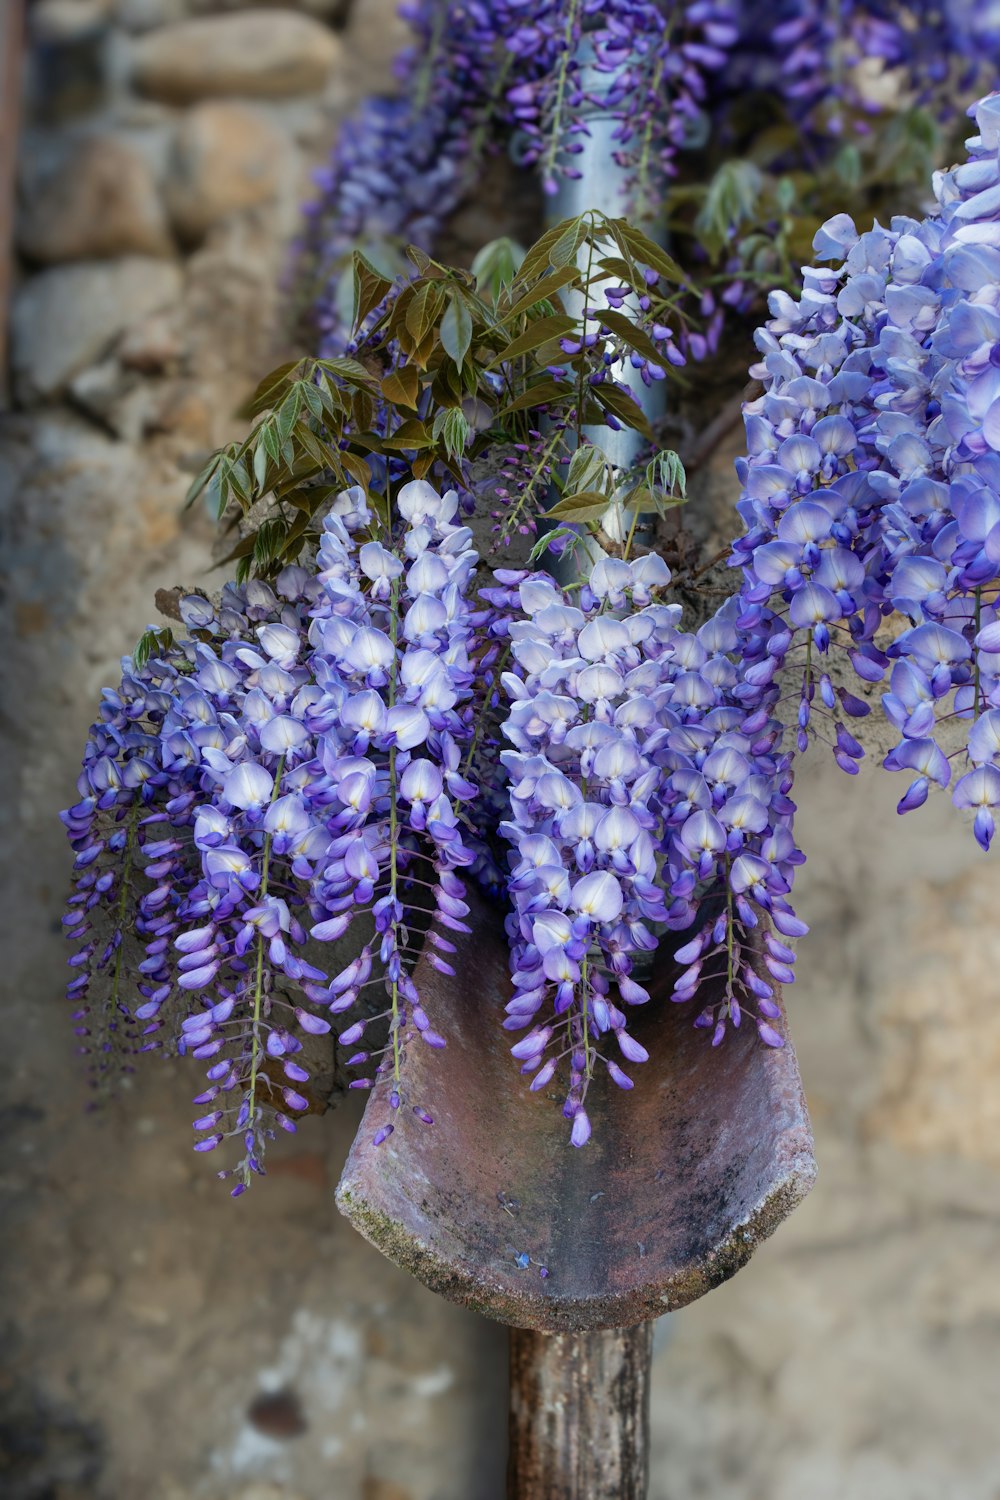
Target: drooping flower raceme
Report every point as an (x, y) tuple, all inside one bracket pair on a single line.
[(322, 754), (479, 76), (870, 490), (638, 786), (297, 762)]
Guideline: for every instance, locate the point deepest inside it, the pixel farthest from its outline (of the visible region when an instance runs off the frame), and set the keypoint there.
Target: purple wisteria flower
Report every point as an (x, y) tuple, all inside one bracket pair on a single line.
[(322, 755), (250, 791), (480, 77), (640, 789), (871, 484)]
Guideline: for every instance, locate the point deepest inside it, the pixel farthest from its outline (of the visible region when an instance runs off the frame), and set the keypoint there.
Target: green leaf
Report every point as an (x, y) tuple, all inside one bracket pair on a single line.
[(534, 336), (214, 499), (288, 412), (260, 465), (423, 310), (456, 329), (666, 472), (370, 287), (351, 370), (732, 199), (545, 392), (412, 434), (270, 388), (202, 478), (566, 246), (543, 290), (632, 240), (496, 265), (267, 542), (540, 254), (622, 406), (402, 387), (268, 435), (587, 505), (635, 338), (152, 639), (237, 477), (312, 398), (566, 533), (453, 429), (588, 470)]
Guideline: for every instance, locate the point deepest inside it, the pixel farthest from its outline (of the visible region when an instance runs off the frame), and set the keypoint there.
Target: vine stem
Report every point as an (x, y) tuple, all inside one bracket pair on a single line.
[(393, 821), (481, 721), (258, 996), (552, 154), (131, 844), (729, 940), (975, 691)]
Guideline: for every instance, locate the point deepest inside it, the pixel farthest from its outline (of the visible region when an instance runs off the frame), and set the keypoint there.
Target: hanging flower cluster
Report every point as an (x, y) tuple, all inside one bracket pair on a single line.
[(637, 785), (535, 77), (816, 54), (326, 752), (479, 75), (295, 764), (870, 489)]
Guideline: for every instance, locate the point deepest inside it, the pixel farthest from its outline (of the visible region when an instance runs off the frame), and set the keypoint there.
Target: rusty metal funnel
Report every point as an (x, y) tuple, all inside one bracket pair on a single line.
[(682, 1179)]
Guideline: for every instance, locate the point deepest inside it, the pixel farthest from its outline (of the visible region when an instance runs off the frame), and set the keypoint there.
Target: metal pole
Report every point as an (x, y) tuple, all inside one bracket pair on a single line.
[(603, 185), (579, 1403), (579, 1414)]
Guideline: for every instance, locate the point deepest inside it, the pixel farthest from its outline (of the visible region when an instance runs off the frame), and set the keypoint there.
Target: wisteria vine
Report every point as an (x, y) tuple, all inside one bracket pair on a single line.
[(309, 757), (330, 756), (673, 84), (870, 489)]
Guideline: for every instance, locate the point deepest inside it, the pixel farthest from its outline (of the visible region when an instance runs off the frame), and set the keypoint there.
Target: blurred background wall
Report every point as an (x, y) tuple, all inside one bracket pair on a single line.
[(159, 1342)]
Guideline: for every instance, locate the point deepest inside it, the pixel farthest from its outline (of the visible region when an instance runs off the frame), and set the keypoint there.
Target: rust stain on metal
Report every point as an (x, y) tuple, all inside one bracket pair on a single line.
[(681, 1180)]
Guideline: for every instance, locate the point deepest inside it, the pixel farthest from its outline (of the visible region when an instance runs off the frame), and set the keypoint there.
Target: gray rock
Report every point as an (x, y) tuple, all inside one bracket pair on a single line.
[(375, 34), (62, 21), (65, 319), (100, 202), (146, 15), (257, 54), (226, 157)]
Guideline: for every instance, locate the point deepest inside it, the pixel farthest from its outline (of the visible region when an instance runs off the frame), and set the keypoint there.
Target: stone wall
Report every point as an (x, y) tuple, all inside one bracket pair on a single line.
[(162, 1343)]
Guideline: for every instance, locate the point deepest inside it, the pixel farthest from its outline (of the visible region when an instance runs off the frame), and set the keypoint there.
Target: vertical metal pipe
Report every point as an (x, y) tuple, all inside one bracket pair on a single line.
[(603, 185), (579, 1414)]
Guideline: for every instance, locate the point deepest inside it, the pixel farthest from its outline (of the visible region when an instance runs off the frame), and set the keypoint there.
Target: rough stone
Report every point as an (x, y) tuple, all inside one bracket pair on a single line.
[(375, 34), (333, 11), (64, 319), (258, 54), (62, 21), (146, 15), (226, 157), (151, 346), (941, 1025), (100, 202)]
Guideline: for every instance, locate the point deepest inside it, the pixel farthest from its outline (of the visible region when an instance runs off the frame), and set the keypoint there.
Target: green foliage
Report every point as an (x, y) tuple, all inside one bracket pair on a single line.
[(152, 641), (452, 367), (753, 217)]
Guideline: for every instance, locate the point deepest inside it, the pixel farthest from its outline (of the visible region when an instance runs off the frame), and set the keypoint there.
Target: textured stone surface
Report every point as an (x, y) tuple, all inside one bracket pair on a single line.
[(226, 157), (64, 319), (102, 201), (259, 53), (62, 21), (375, 33)]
